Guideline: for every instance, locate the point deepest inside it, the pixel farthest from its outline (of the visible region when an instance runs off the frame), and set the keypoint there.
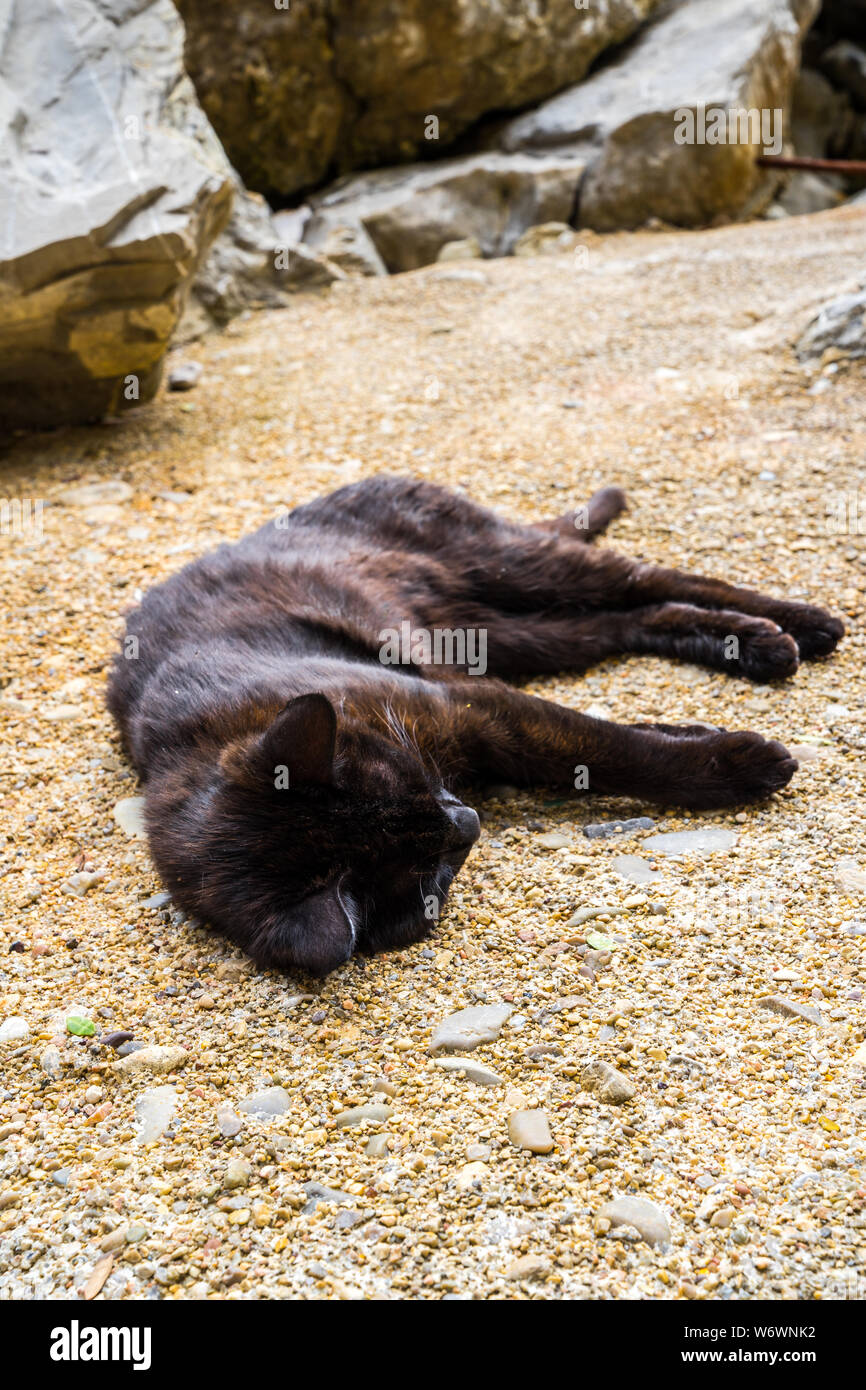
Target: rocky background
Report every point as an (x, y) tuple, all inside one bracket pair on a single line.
[(663, 1091), (166, 171)]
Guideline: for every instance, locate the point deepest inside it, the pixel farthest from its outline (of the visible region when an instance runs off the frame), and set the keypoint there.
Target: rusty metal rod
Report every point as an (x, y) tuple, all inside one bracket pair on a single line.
[(825, 166)]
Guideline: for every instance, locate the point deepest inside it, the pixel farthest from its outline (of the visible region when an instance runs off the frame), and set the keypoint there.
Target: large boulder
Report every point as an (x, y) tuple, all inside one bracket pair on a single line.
[(251, 265), (115, 187), (409, 213), (300, 92), (696, 55)]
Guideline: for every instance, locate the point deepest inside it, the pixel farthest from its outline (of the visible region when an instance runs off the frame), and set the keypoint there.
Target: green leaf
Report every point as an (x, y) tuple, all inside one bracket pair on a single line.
[(81, 1027), (599, 942)]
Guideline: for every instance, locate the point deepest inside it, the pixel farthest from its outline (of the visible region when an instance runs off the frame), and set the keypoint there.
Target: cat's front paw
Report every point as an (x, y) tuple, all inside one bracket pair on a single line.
[(816, 632), (731, 769)]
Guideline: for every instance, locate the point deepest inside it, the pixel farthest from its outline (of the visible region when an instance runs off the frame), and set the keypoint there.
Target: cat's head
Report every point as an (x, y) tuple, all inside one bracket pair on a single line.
[(319, 840)]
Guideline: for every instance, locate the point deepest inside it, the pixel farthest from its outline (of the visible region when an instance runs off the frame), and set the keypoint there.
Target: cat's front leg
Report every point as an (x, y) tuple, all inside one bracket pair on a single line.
[(528, 741)]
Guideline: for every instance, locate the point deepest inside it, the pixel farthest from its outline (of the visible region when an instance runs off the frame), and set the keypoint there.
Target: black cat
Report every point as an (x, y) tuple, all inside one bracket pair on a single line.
[(301, 704)]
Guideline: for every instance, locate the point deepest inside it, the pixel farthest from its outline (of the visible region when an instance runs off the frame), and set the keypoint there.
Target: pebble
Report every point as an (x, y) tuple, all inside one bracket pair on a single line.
[(789, 1008), (618, 829), (125, 1049), (468, 1029), (110, 491), (530, 1129), (81, 883), (850, 877), (50, 1062), (606, 1083), (708, 840), (273, 1100), (552, 839), (13, 1029), (135, 1233), (117, 1039), (470, 1175), (228, 1122), (473, 1071), (559, 1006), (347, 1119), (724, 1217), (238, 1173), (474, 277), (129, 814), (539, 1050), (377, 1146), (183, 376), (114, 1240), (587, 914), (385, 1088), (529, 1267), (635, 869), (154, 1058), (836, 711), (317, 1193), (478, 1153), (804, 752), (157, 900), (345, 1220), (648, 1219), (154, 1112)]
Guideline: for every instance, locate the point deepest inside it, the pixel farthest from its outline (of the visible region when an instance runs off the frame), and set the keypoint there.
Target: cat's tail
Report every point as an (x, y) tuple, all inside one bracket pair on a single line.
[(590, 520), (602, 508)]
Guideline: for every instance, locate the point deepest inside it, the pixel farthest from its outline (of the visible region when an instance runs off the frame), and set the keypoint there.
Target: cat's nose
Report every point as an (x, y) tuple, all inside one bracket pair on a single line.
[(467, 826)]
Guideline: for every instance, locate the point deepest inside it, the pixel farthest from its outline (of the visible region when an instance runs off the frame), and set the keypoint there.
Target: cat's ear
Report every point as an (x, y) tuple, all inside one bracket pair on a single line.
[(296, 750), (302, 738), (317, 935)]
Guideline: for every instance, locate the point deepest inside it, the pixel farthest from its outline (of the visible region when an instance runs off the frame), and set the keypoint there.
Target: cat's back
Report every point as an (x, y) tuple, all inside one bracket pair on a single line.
[(287, 587)]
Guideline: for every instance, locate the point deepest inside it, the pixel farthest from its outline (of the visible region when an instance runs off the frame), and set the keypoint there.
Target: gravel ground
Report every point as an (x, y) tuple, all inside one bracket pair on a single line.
[(650, 360)]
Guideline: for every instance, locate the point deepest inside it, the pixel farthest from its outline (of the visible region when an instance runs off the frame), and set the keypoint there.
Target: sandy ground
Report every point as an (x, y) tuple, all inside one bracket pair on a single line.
[(658, 361)]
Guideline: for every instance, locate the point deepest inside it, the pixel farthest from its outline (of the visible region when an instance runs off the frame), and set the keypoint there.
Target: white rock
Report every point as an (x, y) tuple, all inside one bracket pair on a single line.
[(154, 1111), (468, 1029), (473, 1071), (12, 1029), (707, 840), (647, 1218), (273, 1100), (154, 1058), (129, 814)]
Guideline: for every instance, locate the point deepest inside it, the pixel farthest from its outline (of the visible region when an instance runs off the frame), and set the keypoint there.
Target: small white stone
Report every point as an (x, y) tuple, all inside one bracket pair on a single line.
[(12, 1029)]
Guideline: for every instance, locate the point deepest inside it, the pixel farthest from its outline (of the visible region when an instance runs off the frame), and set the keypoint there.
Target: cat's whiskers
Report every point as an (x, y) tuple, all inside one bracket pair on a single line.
[(353, 925)]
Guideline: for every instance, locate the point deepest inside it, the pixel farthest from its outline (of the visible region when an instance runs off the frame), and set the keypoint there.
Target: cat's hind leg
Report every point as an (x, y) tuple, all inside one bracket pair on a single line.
[(541, 644)]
